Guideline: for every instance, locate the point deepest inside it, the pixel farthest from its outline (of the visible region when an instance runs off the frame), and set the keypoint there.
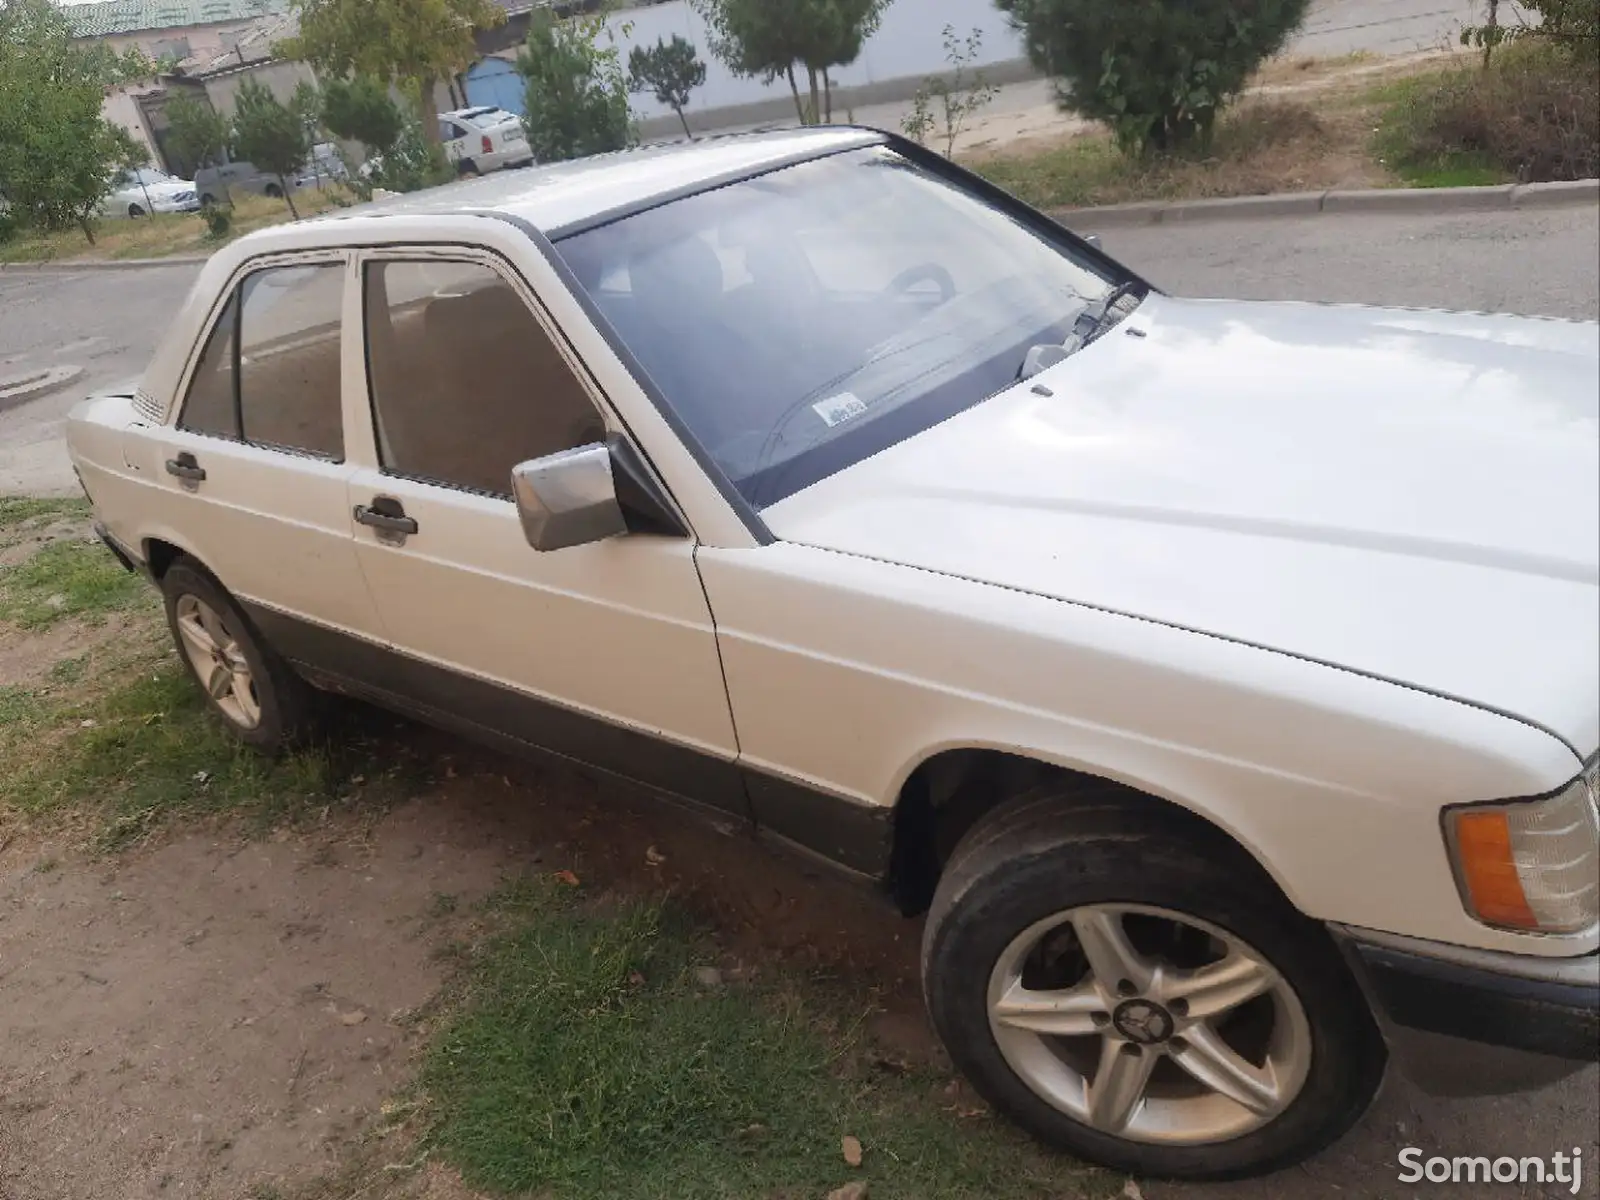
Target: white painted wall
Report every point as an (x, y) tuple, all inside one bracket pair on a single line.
[(909, 43)]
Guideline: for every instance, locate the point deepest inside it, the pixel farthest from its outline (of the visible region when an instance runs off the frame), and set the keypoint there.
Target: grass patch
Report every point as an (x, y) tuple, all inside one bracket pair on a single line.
[(66, 578), (162, 234), (149, 750), (21, 512), (1260, 146), (66, 575), (585, 1060), (1532, 114)]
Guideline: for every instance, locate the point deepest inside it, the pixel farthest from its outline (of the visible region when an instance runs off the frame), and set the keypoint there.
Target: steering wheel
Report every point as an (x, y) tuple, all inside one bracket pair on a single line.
[(928, 272)]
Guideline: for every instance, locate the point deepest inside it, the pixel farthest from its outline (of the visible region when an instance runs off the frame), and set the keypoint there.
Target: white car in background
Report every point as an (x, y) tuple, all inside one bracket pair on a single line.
[(484, 139), (138, 191)]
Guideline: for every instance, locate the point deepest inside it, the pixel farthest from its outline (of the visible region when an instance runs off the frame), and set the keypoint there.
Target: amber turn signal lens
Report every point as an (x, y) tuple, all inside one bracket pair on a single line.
[(1489, 869)]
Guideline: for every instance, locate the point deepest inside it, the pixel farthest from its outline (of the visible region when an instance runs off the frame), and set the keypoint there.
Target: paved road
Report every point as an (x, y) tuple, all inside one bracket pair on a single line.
[(106, 321)]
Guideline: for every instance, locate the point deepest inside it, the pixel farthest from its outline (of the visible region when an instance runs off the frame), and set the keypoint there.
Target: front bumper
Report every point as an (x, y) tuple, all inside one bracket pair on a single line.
[(1461, 1021)]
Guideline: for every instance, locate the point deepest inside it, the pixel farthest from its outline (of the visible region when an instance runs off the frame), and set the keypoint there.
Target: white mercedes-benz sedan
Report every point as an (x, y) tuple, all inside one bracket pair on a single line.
[(1222, 680)]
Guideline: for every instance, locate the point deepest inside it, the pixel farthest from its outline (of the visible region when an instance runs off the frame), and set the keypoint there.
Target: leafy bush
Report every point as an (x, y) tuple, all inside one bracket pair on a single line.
[(412, 163), (1572, 23), (218, 221), (1532, 113), (1156, 71), (959, 95), (577, 95)]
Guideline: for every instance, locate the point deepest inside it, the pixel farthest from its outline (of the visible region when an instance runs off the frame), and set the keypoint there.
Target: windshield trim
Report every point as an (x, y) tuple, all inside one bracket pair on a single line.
[(712, 183)]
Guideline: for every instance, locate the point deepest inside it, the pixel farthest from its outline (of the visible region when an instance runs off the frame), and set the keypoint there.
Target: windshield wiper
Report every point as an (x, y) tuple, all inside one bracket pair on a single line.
[(1093, 319)]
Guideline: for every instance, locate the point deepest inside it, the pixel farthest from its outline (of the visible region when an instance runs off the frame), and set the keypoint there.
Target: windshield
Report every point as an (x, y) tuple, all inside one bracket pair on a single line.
[(808, 318), (146, 176)]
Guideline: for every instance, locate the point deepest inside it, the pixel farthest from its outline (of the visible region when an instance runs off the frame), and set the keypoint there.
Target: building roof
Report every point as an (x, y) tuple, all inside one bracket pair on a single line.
[(103, 18), (563, 197)]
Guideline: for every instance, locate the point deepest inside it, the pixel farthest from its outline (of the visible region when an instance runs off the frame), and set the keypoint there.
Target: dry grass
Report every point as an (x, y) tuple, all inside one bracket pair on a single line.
[(1533, 114), (164, 234), (1306, 125)]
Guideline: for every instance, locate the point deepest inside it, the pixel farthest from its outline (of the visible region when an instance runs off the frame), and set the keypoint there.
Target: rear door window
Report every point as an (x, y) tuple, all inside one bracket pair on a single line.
[(270, 370)]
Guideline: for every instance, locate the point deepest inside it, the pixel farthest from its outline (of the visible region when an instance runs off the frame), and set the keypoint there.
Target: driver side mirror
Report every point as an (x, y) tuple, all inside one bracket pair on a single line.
[(589, 494)]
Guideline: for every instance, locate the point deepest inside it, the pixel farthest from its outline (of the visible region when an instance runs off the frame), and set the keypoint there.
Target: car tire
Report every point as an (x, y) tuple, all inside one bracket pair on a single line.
[(135, 211), (272, 192), (261, 701), (467, 167), (1053, 852)]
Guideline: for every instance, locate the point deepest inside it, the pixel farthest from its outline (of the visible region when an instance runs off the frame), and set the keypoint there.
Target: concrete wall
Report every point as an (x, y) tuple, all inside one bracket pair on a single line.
[(277, 76), (121, 107), (907, 47)]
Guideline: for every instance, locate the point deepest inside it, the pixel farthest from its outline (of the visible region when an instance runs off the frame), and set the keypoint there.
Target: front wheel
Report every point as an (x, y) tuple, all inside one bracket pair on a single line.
[(135, 211), (244, 681), (1138, 997)]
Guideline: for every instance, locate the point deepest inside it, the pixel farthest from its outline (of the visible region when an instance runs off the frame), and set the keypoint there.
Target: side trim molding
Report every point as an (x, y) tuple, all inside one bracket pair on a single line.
[(853, 836)]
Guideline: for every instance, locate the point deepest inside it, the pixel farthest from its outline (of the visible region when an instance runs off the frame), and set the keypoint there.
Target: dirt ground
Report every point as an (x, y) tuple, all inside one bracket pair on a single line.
[(215, 1014), (223, 1016)]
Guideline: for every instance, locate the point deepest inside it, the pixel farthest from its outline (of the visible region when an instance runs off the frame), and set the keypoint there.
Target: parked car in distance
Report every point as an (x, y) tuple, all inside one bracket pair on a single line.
[(484, 139), (1219, 678), (138, 191), (217, 183), (323, 166)]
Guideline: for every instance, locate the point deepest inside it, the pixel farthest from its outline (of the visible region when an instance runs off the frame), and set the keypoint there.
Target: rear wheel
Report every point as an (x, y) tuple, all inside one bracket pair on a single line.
[(135, 211), (1141, 997), (273, 192), (245, 682)]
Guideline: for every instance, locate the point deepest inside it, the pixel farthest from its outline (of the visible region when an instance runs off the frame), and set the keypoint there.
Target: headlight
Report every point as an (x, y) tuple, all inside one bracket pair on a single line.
[(1534, 864)]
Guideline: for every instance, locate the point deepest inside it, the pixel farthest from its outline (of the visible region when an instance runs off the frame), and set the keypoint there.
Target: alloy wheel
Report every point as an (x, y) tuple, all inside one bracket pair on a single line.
[(1149, 1025), (218, 660)]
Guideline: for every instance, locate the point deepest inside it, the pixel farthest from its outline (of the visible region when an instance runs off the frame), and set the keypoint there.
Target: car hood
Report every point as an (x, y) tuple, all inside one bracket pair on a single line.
[(1410, 494)]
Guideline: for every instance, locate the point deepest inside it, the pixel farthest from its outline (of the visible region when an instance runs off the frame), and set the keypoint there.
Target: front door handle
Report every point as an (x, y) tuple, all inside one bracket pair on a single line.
[(386, 516), (186, 468)]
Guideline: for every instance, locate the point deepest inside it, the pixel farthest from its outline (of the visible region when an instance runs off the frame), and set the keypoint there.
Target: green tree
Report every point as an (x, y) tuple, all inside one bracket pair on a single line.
[(768, 39), (57, 154), (577, 95), (197, 134), (360, 110), (270, 135), (1156, 71), (670, 70), (841, 30), (413, 43)]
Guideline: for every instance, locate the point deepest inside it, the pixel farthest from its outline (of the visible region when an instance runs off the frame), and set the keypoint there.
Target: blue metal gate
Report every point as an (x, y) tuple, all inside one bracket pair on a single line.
[(495, 81)]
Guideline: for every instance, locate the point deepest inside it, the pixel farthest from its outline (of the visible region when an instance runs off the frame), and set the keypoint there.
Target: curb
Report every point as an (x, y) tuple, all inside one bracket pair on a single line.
[(30, 385), (109, 264), (1304, 204)]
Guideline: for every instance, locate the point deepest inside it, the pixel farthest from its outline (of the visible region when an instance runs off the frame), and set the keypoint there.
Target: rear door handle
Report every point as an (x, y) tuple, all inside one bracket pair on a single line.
[(186, 468), (387, 516)]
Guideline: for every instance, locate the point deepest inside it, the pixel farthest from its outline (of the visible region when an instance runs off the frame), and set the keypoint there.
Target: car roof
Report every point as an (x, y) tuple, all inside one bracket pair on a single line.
[(563, 198)]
